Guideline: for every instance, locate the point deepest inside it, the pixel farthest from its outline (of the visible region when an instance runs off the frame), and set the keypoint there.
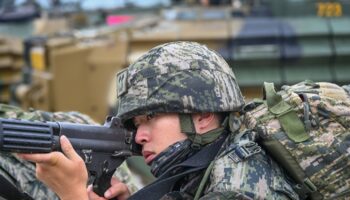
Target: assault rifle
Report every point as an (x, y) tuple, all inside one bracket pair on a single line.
[(103, 148)]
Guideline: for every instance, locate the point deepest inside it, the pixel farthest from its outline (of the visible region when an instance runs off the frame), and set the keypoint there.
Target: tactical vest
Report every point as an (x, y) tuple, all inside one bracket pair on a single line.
[(306, 129)]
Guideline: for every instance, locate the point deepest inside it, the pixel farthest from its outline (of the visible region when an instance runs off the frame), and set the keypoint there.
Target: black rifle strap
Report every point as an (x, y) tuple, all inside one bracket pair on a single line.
[(10, 191), (195, 163)]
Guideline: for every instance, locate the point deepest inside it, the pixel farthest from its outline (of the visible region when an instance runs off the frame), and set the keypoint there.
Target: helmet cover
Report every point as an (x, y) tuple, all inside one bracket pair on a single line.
[(178, 77)]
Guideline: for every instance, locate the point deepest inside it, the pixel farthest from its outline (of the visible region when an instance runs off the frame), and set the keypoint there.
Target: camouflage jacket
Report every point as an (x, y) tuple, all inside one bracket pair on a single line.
[(22, 173), (257, 177)]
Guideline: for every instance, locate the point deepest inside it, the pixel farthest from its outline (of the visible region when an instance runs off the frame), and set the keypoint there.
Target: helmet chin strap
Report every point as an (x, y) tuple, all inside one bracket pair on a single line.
[(198, 140)]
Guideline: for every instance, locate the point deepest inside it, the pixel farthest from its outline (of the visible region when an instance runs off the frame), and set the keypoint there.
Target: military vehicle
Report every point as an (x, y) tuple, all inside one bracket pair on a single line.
[(282, 41), (74, 70), (9, 12), (11, 63), (20, 21)]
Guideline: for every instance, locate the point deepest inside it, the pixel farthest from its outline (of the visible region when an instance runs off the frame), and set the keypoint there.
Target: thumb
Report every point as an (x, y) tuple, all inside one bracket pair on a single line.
[(67, 148)]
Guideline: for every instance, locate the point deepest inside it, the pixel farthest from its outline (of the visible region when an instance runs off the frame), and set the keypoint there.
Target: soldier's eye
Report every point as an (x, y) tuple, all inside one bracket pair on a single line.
[(136, 123)]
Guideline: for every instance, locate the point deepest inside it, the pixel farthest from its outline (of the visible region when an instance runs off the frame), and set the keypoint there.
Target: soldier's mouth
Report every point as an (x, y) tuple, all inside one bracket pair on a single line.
[(148, 156)]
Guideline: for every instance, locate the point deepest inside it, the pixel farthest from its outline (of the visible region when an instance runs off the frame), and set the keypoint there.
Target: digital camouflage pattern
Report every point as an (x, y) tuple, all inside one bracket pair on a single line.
[(186, 77), (22, 173), (181, 77), (325, 156), (257, 177)]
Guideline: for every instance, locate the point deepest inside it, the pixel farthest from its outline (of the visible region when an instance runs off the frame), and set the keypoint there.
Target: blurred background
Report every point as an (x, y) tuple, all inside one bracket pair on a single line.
[(59, 55), (63, 55)]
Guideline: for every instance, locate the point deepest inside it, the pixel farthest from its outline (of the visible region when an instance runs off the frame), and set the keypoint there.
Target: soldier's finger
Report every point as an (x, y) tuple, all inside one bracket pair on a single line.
[(68, 149), (92, 195), (47, 158), (115, 180), (117, 189)]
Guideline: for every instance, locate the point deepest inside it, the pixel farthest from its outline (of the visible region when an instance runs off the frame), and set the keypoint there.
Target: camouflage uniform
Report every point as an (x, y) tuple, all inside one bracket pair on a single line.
[(185, 78), (321, 159), (22, 173), (257, 177)]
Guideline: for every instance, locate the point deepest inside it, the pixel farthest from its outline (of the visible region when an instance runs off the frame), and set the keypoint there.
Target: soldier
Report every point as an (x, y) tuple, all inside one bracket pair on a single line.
[(17, 176), (182, 101)]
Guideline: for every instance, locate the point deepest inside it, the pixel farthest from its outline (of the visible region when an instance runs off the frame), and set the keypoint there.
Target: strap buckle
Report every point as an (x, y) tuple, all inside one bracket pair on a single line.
[(306, 188), (244, 151)]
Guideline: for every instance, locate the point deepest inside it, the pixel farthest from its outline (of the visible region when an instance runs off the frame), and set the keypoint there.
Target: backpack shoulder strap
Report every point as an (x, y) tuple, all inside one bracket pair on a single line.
[(288, 118)]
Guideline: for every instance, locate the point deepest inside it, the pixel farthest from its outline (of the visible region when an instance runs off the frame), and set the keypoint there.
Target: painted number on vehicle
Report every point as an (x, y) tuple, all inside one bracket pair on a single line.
[(37, 58), (328, 9)]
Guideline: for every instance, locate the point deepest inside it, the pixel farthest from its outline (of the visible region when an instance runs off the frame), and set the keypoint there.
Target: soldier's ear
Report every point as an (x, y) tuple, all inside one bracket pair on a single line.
[(204, 122)]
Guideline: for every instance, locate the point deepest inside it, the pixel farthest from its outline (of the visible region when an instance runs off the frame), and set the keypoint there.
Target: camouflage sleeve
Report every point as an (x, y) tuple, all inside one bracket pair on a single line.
[(22, 173), (8, 111), (132, 180), (225, 195)]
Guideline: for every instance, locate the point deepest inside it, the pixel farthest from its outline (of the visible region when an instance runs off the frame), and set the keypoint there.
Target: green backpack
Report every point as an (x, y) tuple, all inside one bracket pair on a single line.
[(306, 129)]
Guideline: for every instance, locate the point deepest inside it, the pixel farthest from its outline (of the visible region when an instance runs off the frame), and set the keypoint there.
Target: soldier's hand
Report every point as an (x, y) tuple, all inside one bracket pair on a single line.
[(118, 189), (65, 173)]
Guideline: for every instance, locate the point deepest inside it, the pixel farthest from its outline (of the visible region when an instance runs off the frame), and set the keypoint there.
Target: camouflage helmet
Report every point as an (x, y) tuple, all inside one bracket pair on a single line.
[(177, 77)]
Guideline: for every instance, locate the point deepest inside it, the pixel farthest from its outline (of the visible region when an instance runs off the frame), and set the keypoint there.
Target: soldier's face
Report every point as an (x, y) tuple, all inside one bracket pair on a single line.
[(156, 133)]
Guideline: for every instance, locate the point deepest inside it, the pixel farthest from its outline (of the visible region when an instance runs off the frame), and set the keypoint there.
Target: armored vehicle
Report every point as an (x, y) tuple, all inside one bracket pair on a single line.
[(281, 41), (75, 70)]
